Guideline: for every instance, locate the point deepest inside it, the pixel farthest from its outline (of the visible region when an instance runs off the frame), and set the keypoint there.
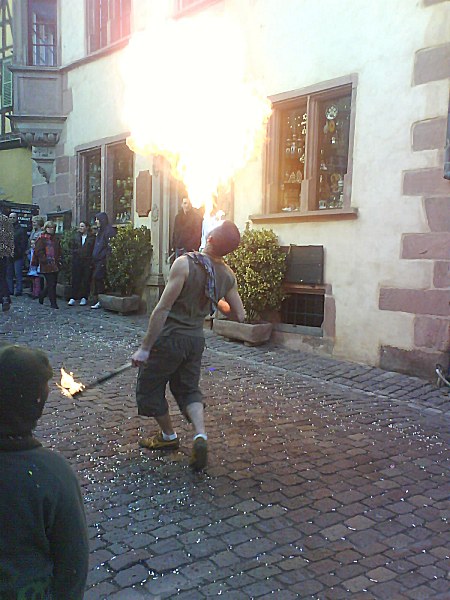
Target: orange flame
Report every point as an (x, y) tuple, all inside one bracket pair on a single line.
[(68, 384), (189, 98)]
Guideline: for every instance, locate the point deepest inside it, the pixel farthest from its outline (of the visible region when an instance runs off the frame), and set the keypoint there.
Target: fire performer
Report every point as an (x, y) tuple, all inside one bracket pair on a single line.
[(172, 348), (44, 546)]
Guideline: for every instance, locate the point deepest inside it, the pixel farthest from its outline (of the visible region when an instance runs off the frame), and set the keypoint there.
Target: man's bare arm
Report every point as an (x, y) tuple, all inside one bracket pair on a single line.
[(231, 306), (177, 277)]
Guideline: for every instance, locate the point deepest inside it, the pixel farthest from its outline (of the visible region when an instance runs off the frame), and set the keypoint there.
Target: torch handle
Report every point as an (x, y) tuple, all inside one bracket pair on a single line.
[(104, 378)]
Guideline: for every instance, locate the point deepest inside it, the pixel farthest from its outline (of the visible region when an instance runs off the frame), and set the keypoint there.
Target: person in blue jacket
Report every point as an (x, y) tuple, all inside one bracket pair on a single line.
[(44, 547), (102, 250)]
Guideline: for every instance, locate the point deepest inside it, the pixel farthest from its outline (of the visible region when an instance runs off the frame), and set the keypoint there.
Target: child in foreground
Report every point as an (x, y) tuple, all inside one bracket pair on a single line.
[(43, 534)]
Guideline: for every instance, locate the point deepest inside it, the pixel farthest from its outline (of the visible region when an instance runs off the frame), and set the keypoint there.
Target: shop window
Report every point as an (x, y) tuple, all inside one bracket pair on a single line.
[(303, 309), (109, 21), (92, 185), (42, 33), (106, 182), (309, 153), (120, 158)]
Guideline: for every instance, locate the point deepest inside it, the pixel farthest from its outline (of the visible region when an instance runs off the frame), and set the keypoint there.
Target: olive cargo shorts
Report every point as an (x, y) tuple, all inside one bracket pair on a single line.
[(175, 360)]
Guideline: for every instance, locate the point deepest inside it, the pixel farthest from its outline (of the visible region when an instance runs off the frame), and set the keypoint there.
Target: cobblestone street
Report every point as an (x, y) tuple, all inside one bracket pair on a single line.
[(326, 479)]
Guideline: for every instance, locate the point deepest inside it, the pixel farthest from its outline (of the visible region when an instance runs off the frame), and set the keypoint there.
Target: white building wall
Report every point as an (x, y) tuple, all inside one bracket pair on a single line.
[(295, 44)]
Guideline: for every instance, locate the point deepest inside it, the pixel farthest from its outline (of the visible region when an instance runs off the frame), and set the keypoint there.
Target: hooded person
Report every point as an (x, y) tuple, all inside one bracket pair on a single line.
[(44, 546), (15, 267), (171, 351), (102, 250)]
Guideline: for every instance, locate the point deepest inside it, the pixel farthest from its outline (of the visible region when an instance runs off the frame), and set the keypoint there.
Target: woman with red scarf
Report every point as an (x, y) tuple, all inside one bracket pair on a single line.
[(47, 254)]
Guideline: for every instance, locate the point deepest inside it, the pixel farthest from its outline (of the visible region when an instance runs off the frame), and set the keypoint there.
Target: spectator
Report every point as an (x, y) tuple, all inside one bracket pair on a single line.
[(44, 547), (6, 254), (187, 229), (83, 245), (102, 250), (33, 272), (15, 266), (47, 254)]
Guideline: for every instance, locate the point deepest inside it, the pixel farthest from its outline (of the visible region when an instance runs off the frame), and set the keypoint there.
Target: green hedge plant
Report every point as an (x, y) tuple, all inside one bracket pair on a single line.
[(129, 260), (260, 265), (66, 240)]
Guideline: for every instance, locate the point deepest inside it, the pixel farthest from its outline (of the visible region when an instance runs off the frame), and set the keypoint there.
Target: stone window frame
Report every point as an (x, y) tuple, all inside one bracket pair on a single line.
[(310, 96), (94, 46)]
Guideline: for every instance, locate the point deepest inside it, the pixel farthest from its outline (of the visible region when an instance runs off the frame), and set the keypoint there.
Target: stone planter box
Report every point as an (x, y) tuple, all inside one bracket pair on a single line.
[(64, 291), (120, 304), (251, 335)]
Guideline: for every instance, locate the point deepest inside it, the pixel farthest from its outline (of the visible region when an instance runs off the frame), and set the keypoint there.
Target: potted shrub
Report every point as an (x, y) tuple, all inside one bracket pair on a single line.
[(127, 269), (259, 264), (64, 285)]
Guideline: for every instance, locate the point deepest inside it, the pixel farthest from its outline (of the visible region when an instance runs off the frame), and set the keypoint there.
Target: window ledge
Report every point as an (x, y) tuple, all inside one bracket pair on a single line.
[(332, 214), (96, 54), (299, 329)]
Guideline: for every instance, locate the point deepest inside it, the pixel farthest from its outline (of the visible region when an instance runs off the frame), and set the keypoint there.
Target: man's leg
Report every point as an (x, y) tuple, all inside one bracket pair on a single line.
[(4, 290), (10, 274), (165, 424), (52, 279), (18, 268), (184, 385), (195, 414), (151, 395)]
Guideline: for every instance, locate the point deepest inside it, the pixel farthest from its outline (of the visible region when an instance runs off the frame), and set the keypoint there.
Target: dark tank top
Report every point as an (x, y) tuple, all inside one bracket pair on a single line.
[(192, 305)]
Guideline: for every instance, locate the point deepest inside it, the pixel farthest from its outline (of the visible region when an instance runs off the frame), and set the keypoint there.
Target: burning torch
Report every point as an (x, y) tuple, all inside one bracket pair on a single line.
[(71, 388)]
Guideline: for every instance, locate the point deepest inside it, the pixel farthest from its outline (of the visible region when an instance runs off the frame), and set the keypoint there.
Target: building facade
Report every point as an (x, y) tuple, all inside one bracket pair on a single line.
[(351, 178), (15, 165)]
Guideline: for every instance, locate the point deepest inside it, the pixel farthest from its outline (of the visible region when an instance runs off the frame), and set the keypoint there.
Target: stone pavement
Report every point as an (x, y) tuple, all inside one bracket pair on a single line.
[(326, 479)]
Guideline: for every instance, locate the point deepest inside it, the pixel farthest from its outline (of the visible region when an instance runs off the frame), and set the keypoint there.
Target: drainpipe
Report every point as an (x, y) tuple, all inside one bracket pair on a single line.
[(447, 148)]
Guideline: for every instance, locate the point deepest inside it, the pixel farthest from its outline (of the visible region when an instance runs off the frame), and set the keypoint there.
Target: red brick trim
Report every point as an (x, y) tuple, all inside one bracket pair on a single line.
[(441, 274), (432, 333), (429, 246), (62, 164), (416, 302), (421, 363), (438, 213), (429, 134), (432, 64), (425, 182)]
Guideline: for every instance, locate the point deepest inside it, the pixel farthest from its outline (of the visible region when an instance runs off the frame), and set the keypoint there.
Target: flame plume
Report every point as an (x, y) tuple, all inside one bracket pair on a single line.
[(189, 97)]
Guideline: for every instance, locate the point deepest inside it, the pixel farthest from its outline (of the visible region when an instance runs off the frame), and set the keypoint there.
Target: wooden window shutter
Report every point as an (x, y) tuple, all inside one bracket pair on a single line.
[(7, 84), (304, 264), (93, 25), (143, 193)]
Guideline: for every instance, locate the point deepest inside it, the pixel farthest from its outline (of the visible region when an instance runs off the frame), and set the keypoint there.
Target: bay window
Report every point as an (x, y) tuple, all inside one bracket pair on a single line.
[(42, 41)]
